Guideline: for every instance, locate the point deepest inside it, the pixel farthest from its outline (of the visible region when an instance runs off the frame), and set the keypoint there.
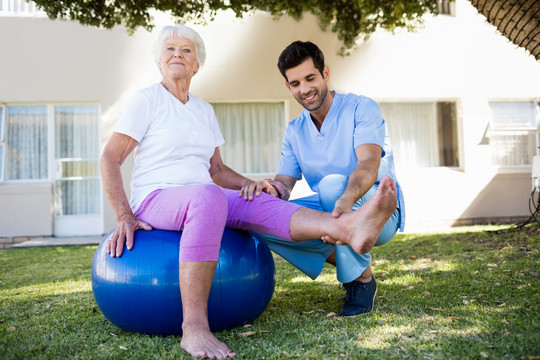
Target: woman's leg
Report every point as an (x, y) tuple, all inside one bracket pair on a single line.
[(200, 212), (265, 214), (269, 215), (197, 339), (349, 264), (308, 256), (360, 229)]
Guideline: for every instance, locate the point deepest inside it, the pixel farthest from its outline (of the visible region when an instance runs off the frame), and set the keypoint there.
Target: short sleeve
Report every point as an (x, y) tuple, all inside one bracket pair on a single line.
[(218, 136), (369, 127), (135, 118), (288, 164)]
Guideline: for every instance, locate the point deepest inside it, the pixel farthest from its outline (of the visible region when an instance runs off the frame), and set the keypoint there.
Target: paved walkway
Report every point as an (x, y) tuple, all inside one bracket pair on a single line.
[(59, 241)]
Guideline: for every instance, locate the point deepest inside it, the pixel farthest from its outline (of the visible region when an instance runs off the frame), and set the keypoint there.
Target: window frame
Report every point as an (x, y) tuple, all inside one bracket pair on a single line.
[(56, 169), (497, 130), (2, 141), (459, 125), (286, 107), (51, 138)]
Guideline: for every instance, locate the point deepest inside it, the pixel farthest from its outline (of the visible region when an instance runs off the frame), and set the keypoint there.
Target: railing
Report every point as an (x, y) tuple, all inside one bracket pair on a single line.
[(446, 8), (19, 8)]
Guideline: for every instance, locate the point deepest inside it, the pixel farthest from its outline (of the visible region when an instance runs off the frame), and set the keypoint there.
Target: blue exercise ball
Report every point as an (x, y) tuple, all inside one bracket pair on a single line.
[(140, 292)]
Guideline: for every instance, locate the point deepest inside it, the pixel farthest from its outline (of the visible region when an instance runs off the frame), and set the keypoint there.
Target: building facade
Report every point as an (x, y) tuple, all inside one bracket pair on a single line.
[(461, 104)]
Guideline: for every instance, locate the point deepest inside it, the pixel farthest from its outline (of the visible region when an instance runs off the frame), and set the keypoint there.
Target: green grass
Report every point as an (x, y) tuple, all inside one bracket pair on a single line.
[(472, 294)]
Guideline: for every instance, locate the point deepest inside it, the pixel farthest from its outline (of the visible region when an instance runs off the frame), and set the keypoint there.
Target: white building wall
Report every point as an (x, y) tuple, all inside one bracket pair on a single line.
[(45, 61), (453, 58)]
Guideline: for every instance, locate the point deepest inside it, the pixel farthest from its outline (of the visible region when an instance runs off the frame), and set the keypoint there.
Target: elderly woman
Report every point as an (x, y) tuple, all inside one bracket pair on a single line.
[(179, 182)]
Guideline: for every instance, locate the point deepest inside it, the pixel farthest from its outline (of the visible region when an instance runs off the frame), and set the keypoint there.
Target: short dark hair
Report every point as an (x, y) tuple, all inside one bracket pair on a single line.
[(298, 52)]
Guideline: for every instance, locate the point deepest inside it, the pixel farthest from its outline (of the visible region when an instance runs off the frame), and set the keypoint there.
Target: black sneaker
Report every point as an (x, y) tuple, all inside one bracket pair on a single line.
[(358, 297)]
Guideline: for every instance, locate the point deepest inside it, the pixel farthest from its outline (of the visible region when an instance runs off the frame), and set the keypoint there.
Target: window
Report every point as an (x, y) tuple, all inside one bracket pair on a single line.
[(58, 143), (2, 143), (512, 132), (77, 186), (446, 7), (26, 143), (253, 133), (423, 134), (19, 8)]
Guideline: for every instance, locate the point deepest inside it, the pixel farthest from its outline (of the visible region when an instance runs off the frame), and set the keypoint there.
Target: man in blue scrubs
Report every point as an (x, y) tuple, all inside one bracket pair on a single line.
[(340, 144)]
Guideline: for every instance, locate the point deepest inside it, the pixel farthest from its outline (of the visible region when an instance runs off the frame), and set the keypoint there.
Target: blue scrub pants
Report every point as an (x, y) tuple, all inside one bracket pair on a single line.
[(310, 256)]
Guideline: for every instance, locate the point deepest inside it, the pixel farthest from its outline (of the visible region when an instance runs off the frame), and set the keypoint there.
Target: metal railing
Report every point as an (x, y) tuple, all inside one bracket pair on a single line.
[(19, 8)]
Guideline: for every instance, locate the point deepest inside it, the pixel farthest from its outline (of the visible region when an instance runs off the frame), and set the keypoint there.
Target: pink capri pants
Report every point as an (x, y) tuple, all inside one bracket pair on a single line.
[(202, 212)]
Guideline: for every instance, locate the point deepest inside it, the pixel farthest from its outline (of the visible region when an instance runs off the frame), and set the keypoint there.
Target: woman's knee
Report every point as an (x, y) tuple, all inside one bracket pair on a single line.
[(208, 198), (206, 212), (331, 187)]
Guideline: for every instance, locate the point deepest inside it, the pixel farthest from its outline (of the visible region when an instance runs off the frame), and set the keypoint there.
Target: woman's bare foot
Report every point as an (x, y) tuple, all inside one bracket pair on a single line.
[(199, 342), (361, 228)]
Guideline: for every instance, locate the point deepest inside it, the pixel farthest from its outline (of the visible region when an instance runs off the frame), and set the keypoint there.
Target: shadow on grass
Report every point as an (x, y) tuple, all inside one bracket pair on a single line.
[(461, 295), (469, 294)]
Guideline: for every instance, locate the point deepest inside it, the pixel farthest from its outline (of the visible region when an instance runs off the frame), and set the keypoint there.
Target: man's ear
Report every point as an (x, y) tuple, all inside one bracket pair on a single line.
[(326, 72), (287, 85)]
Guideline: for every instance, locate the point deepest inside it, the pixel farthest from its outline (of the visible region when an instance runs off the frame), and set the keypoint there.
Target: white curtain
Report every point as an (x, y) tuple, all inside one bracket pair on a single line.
[(2, 139), (26, 136), (512, 148), (512, 134), (413, 131), (1, 161), (77, 190), (253, 133)]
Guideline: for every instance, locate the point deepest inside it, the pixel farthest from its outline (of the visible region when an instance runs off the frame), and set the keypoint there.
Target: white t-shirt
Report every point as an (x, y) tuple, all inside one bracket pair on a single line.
[(176, 141)]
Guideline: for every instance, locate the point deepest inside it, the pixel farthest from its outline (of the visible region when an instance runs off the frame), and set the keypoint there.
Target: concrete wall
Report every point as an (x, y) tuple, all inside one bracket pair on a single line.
[(26, 209), (458, 58)]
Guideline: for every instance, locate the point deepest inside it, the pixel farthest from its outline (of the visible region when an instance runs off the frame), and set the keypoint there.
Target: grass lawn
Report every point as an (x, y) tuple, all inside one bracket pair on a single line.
[(470, 294)]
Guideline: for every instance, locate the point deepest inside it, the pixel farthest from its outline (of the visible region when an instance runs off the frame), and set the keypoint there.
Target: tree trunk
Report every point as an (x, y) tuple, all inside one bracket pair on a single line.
[(517, 20)]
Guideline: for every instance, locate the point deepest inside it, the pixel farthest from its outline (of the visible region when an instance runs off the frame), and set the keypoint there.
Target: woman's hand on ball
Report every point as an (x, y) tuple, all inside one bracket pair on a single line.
[(124, 234)]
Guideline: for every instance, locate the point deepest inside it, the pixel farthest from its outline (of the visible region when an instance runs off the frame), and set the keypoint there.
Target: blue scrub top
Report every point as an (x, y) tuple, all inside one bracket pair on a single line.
[(352, 120)]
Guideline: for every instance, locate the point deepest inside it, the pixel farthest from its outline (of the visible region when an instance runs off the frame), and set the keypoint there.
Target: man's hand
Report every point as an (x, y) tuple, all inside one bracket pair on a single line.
[(257, 188), (123, 234), (342, 205)]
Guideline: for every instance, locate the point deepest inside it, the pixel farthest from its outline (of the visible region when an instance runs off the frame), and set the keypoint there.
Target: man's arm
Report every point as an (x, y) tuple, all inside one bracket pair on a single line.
[(361, 179), (281, 187), (284, 185)]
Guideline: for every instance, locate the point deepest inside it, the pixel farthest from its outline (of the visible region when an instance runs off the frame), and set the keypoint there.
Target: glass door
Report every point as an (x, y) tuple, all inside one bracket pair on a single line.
[(77, 188)]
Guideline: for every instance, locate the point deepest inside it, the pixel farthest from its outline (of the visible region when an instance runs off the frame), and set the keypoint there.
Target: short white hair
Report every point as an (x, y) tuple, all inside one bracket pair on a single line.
[(185, 32)]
